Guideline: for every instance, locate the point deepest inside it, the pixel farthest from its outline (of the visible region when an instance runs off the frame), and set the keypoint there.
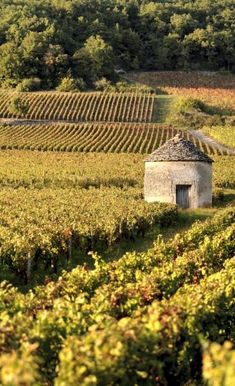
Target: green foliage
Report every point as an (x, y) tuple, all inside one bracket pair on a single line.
[(184, 105), (94, 200), (124, 86), (223, 172), (142, 317), (223, 134), (191, 113), (20, 367), (218, 196), (18, 106), (79, 225), (103, 84), (219, 364), (47, 39), (94, 60), (26, 85), (68, 84)]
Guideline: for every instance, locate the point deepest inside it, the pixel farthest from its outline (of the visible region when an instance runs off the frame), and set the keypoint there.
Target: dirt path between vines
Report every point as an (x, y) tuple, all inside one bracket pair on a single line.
[(198, 134), (24, 121)]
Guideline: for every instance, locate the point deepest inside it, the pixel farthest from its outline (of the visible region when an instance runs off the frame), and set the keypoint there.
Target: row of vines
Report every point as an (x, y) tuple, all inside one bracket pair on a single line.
[(216, 89), (38, 227), (148, 317), (82, 107), (38, 170), (94, 137)]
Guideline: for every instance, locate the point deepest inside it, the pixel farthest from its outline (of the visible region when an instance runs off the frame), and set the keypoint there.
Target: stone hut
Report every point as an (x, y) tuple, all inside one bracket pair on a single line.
[(179, 173)]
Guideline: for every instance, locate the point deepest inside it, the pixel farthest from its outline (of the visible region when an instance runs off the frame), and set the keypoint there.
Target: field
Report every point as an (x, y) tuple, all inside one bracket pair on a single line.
[(59, 206), (37, 170), (213, 88), (98, 287), (94, 137), (147, 317), (94, 202), (82, 107)]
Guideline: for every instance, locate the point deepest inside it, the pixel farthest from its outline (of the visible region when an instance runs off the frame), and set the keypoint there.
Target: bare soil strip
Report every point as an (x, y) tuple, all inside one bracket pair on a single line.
[(198, 134), (22, 121)]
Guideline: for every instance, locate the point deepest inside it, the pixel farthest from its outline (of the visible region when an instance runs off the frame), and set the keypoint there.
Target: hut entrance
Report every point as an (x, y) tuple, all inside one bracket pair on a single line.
[(183, 195)]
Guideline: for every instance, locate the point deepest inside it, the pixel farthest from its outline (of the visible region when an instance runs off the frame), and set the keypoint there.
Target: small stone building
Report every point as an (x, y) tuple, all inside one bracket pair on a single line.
[(179, 173)]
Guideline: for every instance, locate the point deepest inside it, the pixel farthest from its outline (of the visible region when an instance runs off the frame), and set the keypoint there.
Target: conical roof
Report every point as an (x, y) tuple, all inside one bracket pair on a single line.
[(178, 149)]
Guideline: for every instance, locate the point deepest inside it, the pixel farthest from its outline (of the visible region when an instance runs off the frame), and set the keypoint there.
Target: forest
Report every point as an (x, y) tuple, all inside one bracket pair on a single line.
[(78, 44)]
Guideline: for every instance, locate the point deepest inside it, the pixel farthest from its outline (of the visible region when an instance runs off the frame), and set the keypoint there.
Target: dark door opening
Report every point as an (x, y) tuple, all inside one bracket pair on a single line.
[(183, 196)]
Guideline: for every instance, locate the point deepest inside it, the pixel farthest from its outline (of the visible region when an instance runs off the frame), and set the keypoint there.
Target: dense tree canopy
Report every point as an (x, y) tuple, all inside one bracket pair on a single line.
[(49, 40)]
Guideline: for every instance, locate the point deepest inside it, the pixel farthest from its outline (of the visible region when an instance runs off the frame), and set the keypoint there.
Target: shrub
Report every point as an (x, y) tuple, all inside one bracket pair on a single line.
[(218, 195), (18, 106), (124, 86), (183, 105), (68, 84), (81, 85), (103, 84), (31, 84), (193, 113), (8, 84)]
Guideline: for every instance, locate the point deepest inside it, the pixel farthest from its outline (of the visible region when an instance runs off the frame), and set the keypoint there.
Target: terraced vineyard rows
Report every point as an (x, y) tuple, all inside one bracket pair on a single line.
[(93, 137), (83, 107)]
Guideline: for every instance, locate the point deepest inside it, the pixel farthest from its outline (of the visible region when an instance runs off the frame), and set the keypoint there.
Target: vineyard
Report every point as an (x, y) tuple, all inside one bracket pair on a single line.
[(33, 236), (98, 287), (162, 317), (56, 207), (38, 170), (94, 137), (94, 200), (213, 88), (82, 107)]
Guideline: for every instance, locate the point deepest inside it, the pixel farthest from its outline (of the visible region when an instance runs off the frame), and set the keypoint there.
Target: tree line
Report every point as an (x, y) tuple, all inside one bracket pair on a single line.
[(79, 43)]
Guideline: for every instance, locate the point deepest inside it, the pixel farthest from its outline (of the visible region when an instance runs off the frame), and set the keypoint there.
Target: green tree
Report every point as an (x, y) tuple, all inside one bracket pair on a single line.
[(11, 63), (94, 60), (101, 55)]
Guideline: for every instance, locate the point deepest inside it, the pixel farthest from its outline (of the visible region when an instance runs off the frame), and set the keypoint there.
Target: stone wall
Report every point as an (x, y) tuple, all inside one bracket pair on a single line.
[(161, 179)]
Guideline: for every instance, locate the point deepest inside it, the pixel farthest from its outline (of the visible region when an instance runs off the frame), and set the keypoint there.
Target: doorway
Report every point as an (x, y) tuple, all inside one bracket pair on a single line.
[(183, 196)]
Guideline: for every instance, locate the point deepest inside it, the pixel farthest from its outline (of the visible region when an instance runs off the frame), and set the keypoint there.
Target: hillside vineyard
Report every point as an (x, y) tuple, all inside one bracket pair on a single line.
[(94, 137), (84, 107), (117, 193), (216, 89)]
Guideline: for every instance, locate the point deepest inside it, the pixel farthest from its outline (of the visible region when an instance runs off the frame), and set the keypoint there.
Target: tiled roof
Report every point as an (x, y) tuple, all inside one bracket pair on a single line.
[(178, 149)]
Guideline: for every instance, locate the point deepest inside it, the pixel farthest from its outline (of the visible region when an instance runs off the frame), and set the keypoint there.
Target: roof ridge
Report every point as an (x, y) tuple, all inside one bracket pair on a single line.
[(178, 149)]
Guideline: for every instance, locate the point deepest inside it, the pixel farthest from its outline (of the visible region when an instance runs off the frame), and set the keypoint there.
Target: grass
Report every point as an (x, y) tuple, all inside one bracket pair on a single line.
[(162, 108), (185, 220), (225, 135)]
